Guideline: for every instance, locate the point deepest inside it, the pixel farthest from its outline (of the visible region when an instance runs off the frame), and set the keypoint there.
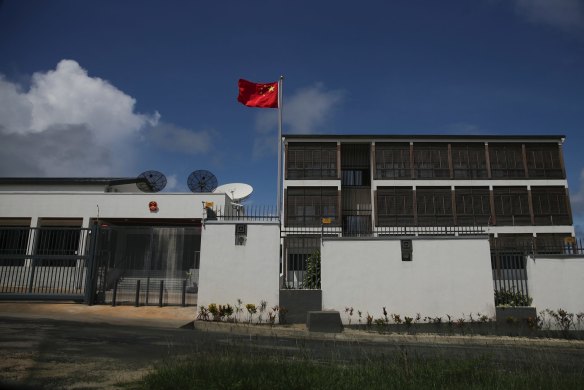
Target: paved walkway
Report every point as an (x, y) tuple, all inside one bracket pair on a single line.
[(165, 317)]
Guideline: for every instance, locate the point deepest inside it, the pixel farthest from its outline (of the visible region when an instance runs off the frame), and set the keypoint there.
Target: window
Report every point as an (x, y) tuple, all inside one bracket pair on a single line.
[(434, 206), (431, 161), (543, 161), (506, 160), (550, 206), (13, 241), (298, 250), (473, 207), (355, 165), (469, 161), (511, 206), (553, 243), (392, 161), (356, 211), (395, 206), (311, 160), (306, 206)]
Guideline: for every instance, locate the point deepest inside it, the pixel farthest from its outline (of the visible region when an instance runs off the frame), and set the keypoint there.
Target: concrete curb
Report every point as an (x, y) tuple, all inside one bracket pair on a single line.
[(360, 336)]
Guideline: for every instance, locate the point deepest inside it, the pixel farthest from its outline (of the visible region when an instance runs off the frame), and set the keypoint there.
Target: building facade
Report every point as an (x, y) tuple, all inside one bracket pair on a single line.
[(512, 187), (46, 227)]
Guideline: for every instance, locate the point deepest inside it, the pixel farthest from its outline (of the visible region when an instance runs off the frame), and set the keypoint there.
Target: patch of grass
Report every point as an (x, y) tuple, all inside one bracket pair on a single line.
[(246, 372)]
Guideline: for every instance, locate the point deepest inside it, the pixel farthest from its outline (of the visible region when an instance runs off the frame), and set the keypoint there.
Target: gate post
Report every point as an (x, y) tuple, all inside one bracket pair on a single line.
[(91, 266)]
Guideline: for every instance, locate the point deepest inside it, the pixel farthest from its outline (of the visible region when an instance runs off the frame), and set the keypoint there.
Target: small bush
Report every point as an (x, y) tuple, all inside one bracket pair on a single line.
[(511, 298)]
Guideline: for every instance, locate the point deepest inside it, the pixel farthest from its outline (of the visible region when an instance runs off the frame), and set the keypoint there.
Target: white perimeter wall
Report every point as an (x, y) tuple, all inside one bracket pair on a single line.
[(111, 205), (248, 272), (447, 276), (556, 282)]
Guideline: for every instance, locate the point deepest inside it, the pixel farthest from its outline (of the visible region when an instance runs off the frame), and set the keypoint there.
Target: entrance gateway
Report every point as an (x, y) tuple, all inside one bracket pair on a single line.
[(143, 265)]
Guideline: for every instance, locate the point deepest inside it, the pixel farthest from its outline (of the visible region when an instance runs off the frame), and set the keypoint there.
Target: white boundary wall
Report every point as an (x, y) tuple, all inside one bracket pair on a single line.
[(556, 282), (111, 205), (249, 272), (447, 276)]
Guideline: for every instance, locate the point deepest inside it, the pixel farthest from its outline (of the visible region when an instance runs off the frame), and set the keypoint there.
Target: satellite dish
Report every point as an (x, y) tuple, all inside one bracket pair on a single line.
[(202, 181), (238, 192), (151, 181)]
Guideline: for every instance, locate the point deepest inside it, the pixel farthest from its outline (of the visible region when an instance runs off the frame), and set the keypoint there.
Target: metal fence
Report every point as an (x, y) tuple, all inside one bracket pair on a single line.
[(148, 265), (45, 263), (384, 231), (508, 262), (236, 212)]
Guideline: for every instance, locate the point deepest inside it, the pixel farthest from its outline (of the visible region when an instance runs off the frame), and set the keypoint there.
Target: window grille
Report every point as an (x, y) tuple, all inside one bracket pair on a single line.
[(511, 206), (552, 243), (543, 161), (311, 160), (355, 165), (306, 206), (434, 206), (58, 242), (392, 161), (298, 250), (469, 161), (13, 241), (506, 160), (431, 161), (356, 204), (473, 206), (550, 206), (394, 206)]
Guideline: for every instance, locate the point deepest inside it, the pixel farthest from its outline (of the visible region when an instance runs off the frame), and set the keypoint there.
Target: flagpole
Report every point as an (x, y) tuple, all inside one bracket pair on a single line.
[(280, 104)]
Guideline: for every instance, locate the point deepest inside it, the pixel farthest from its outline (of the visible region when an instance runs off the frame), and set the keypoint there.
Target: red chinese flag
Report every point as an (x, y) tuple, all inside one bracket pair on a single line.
[(262, 95)]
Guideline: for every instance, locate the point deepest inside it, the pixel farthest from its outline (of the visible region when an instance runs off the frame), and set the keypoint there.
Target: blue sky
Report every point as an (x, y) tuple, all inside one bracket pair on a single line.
[(118, 87)]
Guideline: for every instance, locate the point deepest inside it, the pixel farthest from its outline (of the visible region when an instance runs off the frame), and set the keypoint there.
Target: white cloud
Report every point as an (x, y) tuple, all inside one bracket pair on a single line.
[(305, 111), (67, 124), (71, 124), (171, 183), (564, 14)]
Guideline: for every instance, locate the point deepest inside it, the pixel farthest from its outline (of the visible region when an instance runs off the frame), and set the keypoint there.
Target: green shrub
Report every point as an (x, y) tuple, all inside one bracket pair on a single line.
[(512, 298)]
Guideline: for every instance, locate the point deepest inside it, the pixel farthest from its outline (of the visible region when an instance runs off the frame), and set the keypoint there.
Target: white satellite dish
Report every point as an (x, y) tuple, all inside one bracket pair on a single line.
[(238, 192)]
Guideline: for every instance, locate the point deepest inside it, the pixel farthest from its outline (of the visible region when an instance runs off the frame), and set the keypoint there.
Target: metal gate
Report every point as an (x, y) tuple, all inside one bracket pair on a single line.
[(147, 265), (47, 263)]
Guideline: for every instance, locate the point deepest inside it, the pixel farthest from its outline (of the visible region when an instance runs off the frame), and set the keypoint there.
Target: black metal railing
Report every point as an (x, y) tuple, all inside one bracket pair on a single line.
[(148, 265), (234, 212), (44, 262), (509, 261)]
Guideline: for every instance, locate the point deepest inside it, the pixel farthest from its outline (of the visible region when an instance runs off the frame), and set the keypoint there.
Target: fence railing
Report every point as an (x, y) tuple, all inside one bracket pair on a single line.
[(385, 231), (44, 262), (234, 212)]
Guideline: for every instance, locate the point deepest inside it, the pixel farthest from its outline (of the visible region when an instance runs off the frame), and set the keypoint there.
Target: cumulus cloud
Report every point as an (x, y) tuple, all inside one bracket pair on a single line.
[(67, 124), (71, 124), (564, 14), (304, 111), (172, 183)]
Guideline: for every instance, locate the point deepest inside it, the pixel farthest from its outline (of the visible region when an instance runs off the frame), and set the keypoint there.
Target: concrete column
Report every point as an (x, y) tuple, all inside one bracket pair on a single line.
[(30, 247), (488, 160)]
